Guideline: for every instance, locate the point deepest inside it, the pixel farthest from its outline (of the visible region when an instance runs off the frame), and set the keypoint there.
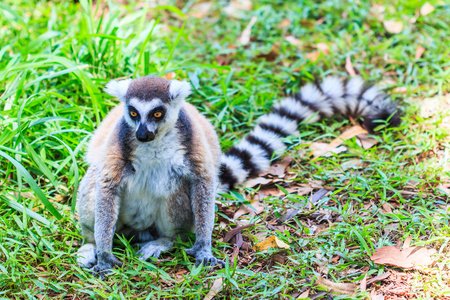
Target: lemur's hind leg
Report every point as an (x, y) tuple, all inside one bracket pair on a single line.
[(86, 255), (154, 248), (202, 196)]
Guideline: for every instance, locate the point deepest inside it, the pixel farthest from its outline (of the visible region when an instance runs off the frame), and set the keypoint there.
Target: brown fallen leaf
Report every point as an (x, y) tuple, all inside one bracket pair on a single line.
[(304, 295), (215, 289), (200, 10), (349, 66), (272, 54), (336, 287), (387, 208), (407, 242), (294, 41), (245, 35), (230, 234), (363, 284), (284, 23), (279, 168), (255, 208), (169, 76), (419, 51), (322, 149), (257, 181), (347, 134), (313, 56), (324, 48), (271, 242), (426, 9), (393, 26), (375, 296), (379, 278), (407, 258), (365, 142), (268, 192), (235, 8)]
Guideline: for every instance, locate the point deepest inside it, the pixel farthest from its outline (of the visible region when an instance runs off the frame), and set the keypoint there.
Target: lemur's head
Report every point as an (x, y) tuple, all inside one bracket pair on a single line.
[(152, 103)]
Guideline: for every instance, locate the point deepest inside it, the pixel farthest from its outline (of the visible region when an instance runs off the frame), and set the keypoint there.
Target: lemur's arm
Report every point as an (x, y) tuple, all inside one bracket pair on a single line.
[(106, 213), (202, 198)]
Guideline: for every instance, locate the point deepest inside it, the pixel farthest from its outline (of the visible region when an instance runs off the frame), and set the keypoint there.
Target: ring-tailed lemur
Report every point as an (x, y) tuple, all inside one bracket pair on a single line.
[(155, 161)]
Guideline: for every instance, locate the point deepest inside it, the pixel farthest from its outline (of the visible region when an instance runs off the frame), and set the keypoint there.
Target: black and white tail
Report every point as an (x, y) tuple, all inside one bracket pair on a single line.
[(253, 154)]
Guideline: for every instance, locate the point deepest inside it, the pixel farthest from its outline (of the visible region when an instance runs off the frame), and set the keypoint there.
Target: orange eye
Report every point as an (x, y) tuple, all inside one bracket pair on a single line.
[(157, 114), (133, 114)]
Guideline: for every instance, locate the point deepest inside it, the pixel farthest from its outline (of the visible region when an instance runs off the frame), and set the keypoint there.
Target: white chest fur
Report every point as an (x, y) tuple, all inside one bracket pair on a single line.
[(159, 169)]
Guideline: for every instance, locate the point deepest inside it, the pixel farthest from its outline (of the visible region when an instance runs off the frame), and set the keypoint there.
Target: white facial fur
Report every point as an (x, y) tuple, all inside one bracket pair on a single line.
[(178, 91), (143, 108)]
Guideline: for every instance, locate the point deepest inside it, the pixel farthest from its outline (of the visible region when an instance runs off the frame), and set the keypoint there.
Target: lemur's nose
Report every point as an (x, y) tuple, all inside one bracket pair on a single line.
[(143, 135)]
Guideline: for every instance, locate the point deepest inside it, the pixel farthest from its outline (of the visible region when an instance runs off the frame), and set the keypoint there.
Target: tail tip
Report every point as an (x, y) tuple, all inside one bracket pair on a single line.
[(392, 118)]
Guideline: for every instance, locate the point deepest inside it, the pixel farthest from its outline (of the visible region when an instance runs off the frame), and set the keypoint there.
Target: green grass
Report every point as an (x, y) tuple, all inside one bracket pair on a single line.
[(56, 57)]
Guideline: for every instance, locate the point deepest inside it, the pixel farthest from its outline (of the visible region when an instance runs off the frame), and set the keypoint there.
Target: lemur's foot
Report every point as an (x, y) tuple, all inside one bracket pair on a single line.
[(86, 256), (105, 263), (154, 248), (203, 255)]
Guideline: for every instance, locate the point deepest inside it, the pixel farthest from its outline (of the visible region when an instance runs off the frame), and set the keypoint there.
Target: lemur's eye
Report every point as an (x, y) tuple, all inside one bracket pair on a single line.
[(157, 114), (133, 114)]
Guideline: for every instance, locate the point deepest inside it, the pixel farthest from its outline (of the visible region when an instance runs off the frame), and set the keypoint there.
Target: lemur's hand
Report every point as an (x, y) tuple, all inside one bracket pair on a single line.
[(105, 262), (204, 255)]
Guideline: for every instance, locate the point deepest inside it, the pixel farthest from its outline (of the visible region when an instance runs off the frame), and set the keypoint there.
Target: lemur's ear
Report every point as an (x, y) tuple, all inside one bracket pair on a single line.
[(179, 90), (118, 88)]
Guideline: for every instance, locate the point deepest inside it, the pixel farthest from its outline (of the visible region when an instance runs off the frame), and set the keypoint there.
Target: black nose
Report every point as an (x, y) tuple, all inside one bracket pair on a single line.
[(143, 135)]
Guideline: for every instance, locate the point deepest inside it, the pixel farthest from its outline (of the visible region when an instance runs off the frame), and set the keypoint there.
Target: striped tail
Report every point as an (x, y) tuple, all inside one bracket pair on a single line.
[(255, 152)]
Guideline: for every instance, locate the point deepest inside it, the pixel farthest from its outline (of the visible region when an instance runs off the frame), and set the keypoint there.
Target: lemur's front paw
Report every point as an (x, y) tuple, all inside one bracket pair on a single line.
[(204, 256), (105, 263)]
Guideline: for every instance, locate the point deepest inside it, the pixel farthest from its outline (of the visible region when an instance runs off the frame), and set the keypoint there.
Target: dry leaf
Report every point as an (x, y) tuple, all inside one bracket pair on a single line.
[(407, 242), (256, 209), (304, 295), (349, 66), (322, 149), (419, 51), (200, 10), (272, 54), (257, 181), (336, 287), (426, 9), (215, 289), (294, 41), (59, 198), (348, 134), (235, 6), (363, 284), (365, 142), (387, 208), (245, 36), (279, 169), (379, 278), (313, 55), (169, 76), (284, 23), (407, 258), (393, 26), (271, 242), (268, 192), (375, 296), (324, 48)]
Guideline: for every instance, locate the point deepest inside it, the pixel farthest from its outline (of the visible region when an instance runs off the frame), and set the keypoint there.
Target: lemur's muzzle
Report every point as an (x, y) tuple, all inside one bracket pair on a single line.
[(144, 135)]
